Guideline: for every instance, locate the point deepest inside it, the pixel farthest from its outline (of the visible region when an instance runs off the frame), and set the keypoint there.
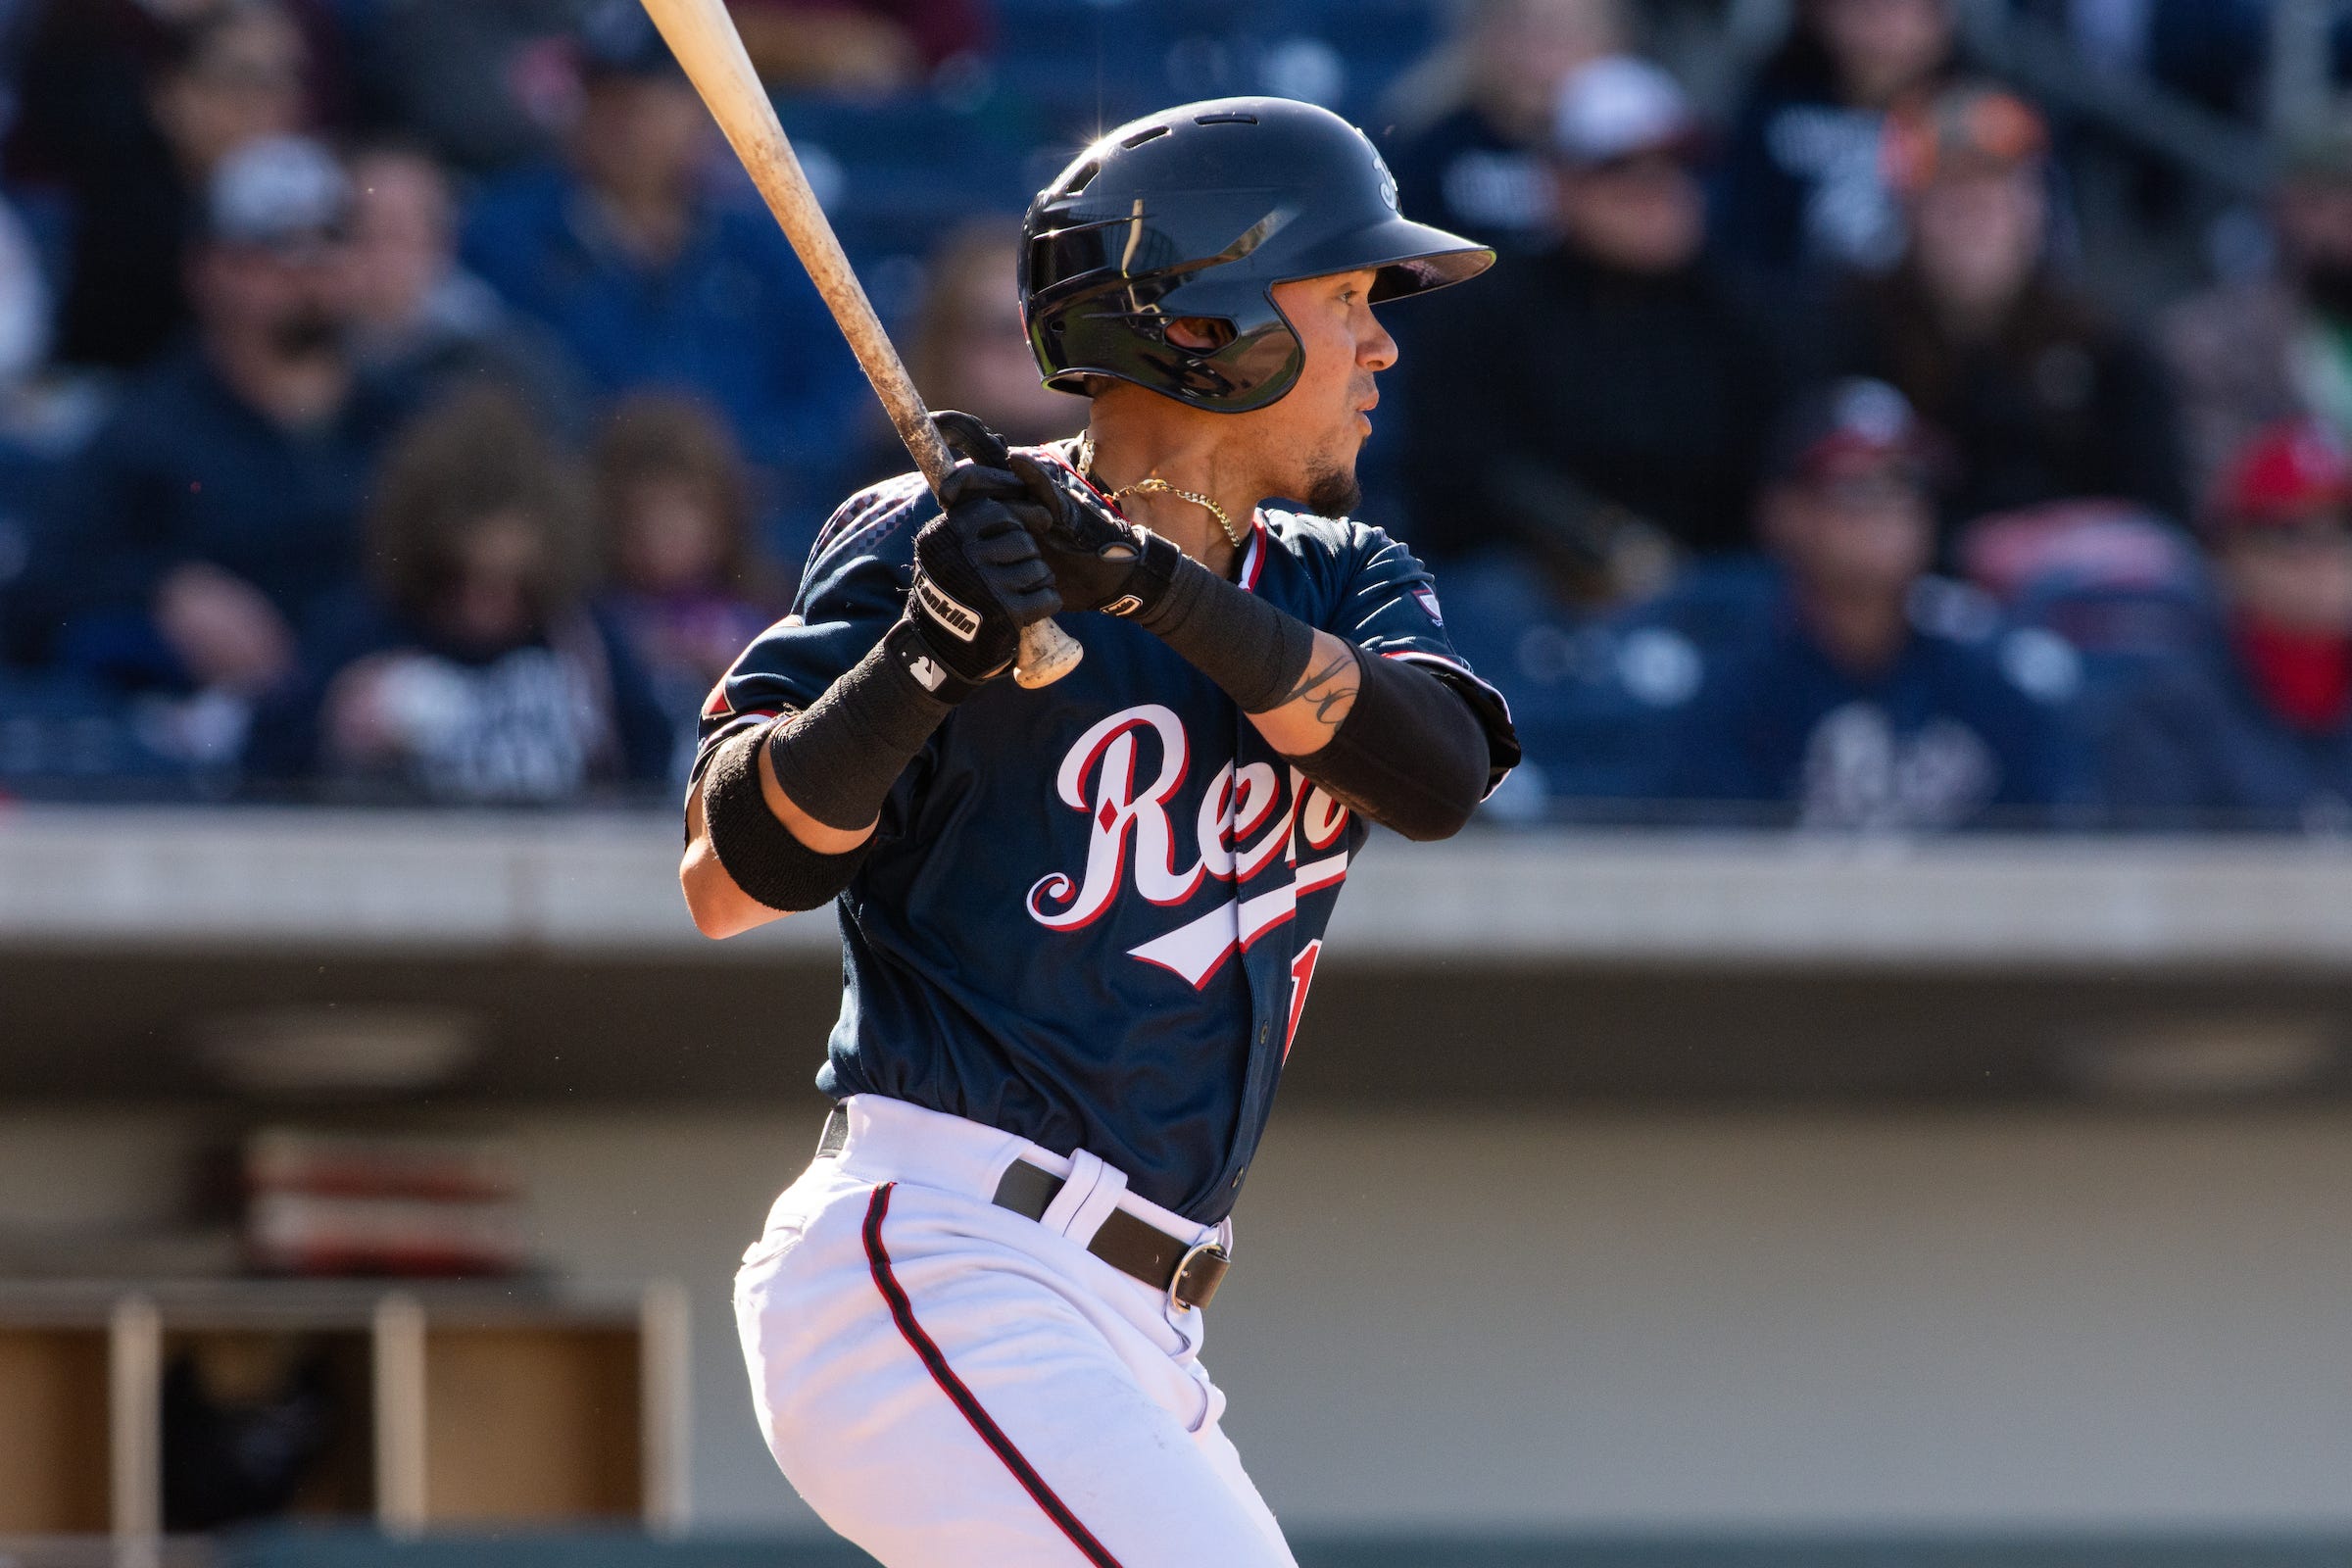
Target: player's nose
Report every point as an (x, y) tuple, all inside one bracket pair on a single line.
[(1374, 349)]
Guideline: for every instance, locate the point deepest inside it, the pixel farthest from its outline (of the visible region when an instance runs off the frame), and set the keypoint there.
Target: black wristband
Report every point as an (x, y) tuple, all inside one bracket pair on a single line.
[(838, 761), (1247, 646), (761, 855)]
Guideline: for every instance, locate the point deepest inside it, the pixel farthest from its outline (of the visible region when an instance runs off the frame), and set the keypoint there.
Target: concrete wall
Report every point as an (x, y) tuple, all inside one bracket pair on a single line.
[(1982, 1320)]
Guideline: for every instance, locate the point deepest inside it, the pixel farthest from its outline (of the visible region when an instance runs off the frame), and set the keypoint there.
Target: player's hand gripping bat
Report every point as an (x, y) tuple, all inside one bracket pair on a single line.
[(703, 36)]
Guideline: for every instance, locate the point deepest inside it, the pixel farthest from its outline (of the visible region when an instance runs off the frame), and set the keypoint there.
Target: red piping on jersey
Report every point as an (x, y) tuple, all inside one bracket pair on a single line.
[(1419, 656), (902, 1311), (1255, 560)]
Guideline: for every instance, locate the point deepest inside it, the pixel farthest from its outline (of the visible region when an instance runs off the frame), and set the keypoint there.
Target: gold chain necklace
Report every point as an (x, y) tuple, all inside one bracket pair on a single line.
[(1155, 485)]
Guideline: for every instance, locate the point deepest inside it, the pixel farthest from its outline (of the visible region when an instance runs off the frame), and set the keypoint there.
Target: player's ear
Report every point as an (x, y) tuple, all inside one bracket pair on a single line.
[(1202, 334)]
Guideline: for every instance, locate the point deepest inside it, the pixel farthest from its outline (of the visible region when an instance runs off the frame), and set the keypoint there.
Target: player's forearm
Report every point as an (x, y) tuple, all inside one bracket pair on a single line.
[(1405, 750), (1313, 706), (1256, 653), (790, 807), (825, 772), (818, 836), (1392, 741)]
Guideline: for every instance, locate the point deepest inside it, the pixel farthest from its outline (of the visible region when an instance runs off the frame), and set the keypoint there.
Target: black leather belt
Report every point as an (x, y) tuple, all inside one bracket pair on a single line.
[(1188, 1273)]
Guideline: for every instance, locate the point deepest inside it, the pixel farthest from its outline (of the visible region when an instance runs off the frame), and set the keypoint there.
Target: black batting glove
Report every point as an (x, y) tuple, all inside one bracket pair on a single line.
[(978, 575), (1100, 559)]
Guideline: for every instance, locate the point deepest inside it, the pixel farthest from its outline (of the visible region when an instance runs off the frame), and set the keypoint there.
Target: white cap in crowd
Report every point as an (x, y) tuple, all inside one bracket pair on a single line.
[(277, 191), (1618, 107)]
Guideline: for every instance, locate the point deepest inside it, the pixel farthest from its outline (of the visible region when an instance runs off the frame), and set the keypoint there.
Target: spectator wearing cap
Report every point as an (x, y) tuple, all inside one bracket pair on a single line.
[(422, 323), (2254, 730), (1476, 117), (1603, 401), (1802, 191), (2253, 352), (220, 498), (126, 110), (1870, 696), (2042, 398), (651, 280)]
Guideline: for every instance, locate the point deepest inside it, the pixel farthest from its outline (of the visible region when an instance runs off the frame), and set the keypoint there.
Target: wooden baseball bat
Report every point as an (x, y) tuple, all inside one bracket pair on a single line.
[(703, 36)]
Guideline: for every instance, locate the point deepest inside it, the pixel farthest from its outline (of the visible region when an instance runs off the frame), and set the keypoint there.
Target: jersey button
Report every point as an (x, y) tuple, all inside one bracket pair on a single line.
[(1237, 1177)]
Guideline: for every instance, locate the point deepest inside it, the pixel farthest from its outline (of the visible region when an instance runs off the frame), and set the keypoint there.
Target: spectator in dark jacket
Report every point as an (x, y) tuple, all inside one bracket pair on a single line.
[(422, 322), (221, 497), (2040, 397), (128, 110), (1803, 188), (473, 672), (1863, 702), (2255, 729), (1603, 401), (486, 83), (651, 281), (1478, 115)]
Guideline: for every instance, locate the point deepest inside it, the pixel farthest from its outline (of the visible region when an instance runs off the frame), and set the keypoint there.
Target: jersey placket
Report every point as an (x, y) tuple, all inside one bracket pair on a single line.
[(1265, 908)]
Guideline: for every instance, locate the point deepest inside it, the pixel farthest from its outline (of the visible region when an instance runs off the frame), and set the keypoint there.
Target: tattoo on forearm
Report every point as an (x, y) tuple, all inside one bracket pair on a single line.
[(1326, 688)]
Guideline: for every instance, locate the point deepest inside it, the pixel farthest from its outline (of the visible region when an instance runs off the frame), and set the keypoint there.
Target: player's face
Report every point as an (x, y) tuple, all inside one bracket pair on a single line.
[(2298, 576), (1312, 435), (1865, 530)]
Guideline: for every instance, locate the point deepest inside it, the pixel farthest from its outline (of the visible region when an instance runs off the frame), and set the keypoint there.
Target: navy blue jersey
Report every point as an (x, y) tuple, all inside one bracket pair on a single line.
[(1092, 913), (1960, 731)]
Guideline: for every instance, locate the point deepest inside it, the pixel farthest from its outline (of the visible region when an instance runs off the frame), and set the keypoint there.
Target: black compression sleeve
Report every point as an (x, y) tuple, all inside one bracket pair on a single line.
[(1247, 646), (1410, 754), (761, 855), (838, 760)]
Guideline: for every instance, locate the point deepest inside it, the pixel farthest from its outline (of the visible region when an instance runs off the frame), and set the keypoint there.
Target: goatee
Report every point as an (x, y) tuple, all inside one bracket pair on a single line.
[(1332, 491)]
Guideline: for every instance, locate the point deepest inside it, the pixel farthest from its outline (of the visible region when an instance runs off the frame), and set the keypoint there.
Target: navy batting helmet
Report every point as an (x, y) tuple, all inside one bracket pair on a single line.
[(1197, 213)]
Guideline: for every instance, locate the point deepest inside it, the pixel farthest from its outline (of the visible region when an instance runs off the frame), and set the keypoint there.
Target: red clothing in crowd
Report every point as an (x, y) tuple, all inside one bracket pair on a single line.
[(2306, 679), (938, 28)]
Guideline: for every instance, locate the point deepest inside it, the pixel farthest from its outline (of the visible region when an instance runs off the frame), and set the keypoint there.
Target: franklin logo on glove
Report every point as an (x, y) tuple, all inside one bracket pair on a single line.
[(949, 616)]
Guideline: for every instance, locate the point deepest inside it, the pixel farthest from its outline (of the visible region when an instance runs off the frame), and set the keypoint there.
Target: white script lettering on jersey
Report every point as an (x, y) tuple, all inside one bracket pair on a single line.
[(1249, 817)]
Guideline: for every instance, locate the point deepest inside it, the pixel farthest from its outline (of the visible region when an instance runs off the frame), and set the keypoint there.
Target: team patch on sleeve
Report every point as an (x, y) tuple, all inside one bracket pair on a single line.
[(1427, 598)]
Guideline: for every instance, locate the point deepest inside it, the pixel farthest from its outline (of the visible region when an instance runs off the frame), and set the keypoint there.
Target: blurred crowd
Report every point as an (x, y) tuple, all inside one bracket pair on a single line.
[(1796, 467), (408, 400)]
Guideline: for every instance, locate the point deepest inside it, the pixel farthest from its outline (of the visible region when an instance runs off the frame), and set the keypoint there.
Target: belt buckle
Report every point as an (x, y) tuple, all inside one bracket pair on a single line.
[(1214, 1252)]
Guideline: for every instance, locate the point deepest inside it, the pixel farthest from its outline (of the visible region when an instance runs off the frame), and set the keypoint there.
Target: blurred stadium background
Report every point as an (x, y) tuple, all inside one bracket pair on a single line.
[(1871, 1092)]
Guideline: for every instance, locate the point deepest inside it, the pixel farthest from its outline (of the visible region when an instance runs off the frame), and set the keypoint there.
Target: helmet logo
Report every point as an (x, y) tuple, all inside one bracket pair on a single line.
[(1387, 182)]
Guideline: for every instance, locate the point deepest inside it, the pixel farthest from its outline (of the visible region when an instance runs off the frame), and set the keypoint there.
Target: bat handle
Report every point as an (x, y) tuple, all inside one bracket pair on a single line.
[(1048, 652)]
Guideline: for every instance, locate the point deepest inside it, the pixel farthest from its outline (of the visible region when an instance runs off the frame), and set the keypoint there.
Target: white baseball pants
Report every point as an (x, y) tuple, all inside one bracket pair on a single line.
[(951, 1384)]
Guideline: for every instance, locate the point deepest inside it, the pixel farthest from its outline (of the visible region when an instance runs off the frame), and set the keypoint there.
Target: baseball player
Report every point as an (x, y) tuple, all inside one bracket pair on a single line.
[(1079, 923)]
